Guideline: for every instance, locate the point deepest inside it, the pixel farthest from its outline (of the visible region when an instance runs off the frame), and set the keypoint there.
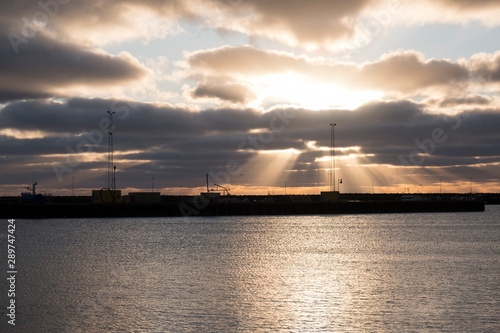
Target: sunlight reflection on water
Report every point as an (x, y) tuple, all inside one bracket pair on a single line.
[(400, 272)]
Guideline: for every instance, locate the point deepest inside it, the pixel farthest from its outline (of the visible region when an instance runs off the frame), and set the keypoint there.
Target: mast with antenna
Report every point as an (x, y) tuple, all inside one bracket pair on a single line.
[(332, 157), (111, 168)]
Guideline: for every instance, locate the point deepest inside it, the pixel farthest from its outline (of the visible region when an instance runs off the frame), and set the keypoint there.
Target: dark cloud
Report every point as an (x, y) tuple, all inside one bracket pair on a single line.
[(467, 100), (182, 145), (50, 67), (485, 67), (407, 71), (246, 61), (224, 90), (320, 23), (9, 95), (136, 119), (84, 20), (385, 125)]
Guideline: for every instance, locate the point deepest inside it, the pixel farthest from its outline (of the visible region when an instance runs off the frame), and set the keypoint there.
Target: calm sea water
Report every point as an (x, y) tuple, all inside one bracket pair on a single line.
[(346, 273)]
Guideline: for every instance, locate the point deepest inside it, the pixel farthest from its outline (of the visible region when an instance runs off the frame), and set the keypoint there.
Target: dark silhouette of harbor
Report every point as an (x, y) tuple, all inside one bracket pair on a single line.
[(82, 206)]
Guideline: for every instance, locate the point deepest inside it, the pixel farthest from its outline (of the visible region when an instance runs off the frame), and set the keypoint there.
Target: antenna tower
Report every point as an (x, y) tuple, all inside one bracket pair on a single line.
[(332, 159), (111, 168)]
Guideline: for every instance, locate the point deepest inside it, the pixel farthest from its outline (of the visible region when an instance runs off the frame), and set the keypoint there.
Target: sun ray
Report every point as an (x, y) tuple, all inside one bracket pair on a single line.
[(270, 167)]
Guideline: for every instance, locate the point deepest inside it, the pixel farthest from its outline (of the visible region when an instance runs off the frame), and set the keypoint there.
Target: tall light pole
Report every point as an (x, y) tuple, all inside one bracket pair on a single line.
[(111, 167), (332, 157), (208, 190)]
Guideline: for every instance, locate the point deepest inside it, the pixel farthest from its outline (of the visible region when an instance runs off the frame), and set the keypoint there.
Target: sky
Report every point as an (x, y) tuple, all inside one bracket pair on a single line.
[(245, 91)]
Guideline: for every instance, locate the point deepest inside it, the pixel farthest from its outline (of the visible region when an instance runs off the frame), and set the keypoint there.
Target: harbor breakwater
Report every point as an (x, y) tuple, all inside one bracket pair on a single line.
[(87, 210)]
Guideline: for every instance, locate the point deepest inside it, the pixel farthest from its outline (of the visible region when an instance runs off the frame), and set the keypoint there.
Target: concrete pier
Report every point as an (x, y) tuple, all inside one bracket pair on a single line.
[(187, 208)]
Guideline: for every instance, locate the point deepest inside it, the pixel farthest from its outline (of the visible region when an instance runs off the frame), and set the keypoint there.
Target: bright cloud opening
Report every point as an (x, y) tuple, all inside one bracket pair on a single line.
[(294, 89)]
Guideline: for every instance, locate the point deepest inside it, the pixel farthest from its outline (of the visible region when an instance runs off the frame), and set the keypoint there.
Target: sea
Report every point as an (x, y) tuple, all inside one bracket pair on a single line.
[(319, 273)]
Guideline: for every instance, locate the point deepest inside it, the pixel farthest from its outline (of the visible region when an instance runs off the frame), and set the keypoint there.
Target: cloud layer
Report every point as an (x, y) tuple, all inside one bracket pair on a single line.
[(320, 24), (47, 67), (407, 73), (182, 145)]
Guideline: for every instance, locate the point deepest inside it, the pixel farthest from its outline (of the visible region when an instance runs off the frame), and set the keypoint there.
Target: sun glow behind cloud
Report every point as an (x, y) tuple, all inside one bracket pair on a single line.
[(17, 134), (295, 89)]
